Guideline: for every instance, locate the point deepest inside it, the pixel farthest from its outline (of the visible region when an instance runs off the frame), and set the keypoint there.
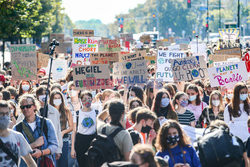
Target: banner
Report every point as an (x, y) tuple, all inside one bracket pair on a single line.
[(82, 47), (139, 55), (163, 71), (229, 34), (42, 60), (233, 51), (246, 58), (189, 68), (109, 46), (23, 62), (130, 73), (59, 69), (92, 77), (219, 58), (83, 33), (103, 58), (228, 75)]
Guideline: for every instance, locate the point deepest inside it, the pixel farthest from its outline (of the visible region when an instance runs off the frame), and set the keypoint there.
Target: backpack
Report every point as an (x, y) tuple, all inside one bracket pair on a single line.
[(103, 149), (219, 148), (119, 164)]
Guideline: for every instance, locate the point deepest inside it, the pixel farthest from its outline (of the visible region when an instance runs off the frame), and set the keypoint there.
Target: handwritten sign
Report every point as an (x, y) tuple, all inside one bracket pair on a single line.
[(23, 62), (92, 77), (139, 55), (59, 69), (130, 73), (103, 58), (109, 46), (164, 71), (42, 60), (189, 68), (83, 33), (228, 75), (246, 58), (233, 51), (219, 58), (82, 47)]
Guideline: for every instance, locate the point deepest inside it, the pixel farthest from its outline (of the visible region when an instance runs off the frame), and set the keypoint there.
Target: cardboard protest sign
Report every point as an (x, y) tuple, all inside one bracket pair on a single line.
[(58, 37), (130, 73), (202, 48), (109, 46), (92, 77), (189, 68), (83, 33), (23, 62), (139, 55), (59, 69), (126, 37), (233, 51), (163, 42), (81, 49), (246, 58), (228, 75), (42, 60), (145, 39), (219, 58), (151, 59), (163, 71), (103, 58)]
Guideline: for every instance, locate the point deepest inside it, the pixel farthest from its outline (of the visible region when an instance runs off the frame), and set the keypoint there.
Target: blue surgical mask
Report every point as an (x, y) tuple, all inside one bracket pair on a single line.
[(243, 97), (192, 98), (164, 102), (184, 103)]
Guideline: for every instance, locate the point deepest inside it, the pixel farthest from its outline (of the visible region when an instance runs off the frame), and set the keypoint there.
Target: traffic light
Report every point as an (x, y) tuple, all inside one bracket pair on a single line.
[(206, 26), (189, 3), (121, 28)]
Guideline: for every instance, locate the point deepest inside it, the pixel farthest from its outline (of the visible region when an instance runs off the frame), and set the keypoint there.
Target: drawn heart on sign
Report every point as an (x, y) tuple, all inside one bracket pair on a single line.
[(128, 65)]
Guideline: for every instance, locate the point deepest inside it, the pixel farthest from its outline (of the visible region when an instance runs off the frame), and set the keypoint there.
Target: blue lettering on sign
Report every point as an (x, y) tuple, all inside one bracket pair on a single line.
[(82, 55)]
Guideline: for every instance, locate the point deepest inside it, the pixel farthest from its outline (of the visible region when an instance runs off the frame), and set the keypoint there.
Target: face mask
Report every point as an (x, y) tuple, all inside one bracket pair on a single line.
[(216, 103), (230, 96), (25, 87), (164, 102), (184, 103), (73, 93), (172, 140), (4, 122), (243, 97), (87, 104), (57, 102), (42, 98), (146, 129), (192, 98)]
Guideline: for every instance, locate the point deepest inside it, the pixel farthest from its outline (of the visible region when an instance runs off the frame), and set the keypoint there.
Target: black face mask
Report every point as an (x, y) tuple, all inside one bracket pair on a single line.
[(172, 140), (146, 129), (151, 90)]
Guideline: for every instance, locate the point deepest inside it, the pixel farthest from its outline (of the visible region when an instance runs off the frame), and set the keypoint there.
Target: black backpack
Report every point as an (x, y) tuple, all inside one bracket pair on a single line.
[(219, 148), (103, 149)]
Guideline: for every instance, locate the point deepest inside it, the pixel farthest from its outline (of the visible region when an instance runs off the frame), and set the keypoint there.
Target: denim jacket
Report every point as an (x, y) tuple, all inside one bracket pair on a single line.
[(50, 143)]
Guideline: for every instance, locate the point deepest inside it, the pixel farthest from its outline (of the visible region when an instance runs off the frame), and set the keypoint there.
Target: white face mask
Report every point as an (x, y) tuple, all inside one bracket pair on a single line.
[(57, 102), (42, 98), (25, 87), (216, 103), (230, 96)]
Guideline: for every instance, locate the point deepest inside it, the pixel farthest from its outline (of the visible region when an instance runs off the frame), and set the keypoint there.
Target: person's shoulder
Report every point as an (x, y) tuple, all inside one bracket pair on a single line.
[(189, 148), (52, 109), (15, 133)]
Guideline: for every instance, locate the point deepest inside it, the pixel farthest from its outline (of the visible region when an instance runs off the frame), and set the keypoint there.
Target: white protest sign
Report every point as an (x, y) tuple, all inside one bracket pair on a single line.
[(59, 69), (164, 71), (202, 48), (228, 75), (189, 68)]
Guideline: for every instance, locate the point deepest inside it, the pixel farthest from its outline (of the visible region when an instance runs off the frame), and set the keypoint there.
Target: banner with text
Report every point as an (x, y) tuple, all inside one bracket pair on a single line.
[(82, 47), (108, 45), (83, 33), (228, 75), (164, 71), (130, 73), (92, 77), (189, 68), (103, 58), (23, 62), (139, 55)]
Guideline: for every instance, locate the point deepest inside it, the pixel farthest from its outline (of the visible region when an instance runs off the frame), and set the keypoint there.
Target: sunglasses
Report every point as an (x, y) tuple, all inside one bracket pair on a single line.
[(26, 106)]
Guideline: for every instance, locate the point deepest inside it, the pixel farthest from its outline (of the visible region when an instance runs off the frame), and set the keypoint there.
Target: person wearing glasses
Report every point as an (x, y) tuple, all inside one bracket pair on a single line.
[(43, 141)]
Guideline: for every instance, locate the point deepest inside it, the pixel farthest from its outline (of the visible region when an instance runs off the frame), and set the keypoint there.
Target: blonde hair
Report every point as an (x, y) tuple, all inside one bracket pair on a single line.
[(221, 106)]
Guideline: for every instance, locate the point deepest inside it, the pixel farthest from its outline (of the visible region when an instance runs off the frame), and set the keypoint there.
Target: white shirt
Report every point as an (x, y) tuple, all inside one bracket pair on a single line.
[(86, 122), (32, 125), (238, 126)]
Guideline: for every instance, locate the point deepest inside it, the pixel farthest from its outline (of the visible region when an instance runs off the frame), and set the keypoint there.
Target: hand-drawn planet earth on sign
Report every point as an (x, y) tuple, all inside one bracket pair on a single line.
[(161, 60), (87, 122), (195, 73), (128, 65), (59, 69)]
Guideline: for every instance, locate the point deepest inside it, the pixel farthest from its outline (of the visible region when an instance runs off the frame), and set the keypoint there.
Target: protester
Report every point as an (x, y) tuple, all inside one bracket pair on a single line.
[(172, 143), (237, 112), (136, 91), (149, 94), (213, 111), (134, 103), (24, 87), (180, 102), (43, 141)]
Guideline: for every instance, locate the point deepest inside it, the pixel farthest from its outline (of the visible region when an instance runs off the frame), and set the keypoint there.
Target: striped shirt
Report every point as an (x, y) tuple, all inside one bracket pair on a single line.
[(186, 118)]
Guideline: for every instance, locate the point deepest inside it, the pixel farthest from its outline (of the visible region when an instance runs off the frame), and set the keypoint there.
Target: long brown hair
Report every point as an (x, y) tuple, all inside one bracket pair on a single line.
[(234, 106), (62, 108), (221, 106), (161, 138), (196, 89), (20, 90)]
